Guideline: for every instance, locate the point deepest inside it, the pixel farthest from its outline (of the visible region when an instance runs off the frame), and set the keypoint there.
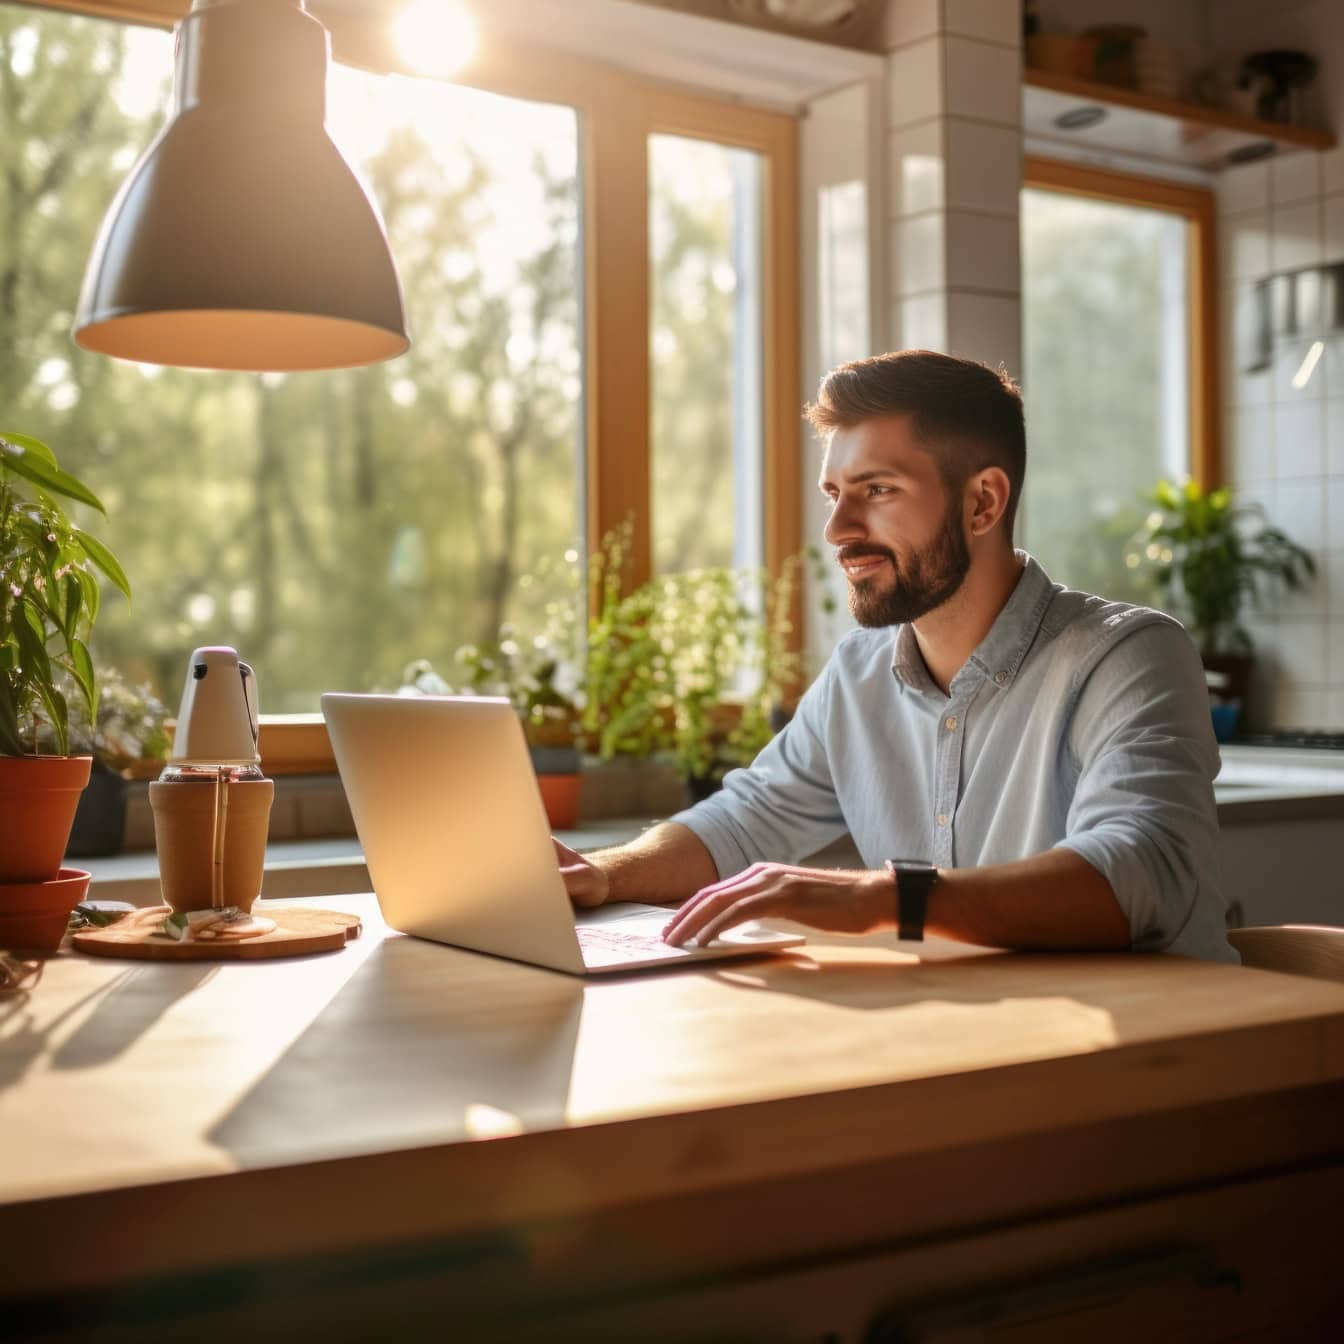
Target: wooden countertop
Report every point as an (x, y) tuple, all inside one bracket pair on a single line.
[(504, 1092)]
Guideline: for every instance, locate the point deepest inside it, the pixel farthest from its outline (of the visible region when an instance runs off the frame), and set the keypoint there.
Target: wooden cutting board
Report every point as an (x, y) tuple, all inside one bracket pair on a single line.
[(299, 930)]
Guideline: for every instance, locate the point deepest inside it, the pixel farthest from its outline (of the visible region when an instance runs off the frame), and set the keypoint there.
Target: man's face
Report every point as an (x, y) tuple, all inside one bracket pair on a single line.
[(897, 535)]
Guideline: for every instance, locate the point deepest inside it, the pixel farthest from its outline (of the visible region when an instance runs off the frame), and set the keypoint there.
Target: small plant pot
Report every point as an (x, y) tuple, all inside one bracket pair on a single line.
[(38, 797), (560, 782), (34, 915), (100, 818)]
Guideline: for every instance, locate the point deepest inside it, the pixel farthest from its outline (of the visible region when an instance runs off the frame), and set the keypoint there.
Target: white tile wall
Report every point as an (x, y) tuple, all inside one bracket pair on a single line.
[(984, 165), (954, 151), (1302, 652), (915, 83), (983, 251), (1299, 441), (915, 158), (984, 80), (1243, 188), (986, 327), (1334, 462), (1243, 244), (1299, 508), (1294, 177), (989, 20), (1334, 228), (1332, 169), (919, 261), (909, 21), (1248, 432), (1296, 239), (923, 322)]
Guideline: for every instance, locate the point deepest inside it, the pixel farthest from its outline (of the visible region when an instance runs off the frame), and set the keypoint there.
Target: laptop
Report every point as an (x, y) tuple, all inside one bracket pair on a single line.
[(448, 812)]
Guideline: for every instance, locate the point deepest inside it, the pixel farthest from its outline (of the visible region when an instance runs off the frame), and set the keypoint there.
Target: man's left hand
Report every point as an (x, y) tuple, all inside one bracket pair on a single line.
[(834, 900)]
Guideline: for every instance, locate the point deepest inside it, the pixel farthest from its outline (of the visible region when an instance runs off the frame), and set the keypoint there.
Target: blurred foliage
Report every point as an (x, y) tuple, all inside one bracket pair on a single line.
[(1210, 559), (688, 666)]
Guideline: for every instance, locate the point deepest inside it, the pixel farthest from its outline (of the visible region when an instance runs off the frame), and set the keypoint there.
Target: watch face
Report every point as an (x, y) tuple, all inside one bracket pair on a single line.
[(910, 865)]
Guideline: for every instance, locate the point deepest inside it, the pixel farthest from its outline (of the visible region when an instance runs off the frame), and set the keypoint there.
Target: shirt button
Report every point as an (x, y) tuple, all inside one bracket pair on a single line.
[(951, 721), (1000, 678), (942, 818)]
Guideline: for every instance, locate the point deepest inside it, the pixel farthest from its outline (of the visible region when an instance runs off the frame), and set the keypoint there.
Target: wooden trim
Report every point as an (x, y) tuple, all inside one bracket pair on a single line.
[(1197, 206), (1216, 118)]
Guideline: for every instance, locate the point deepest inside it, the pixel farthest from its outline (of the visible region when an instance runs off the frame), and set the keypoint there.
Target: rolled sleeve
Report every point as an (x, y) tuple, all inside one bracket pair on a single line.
[(783, 806), (1143, 811)]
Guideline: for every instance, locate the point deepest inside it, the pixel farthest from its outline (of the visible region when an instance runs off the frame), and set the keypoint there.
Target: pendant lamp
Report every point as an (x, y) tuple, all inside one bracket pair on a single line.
[(242, 239)]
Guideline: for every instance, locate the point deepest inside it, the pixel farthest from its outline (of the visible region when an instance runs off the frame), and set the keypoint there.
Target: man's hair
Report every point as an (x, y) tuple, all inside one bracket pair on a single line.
[(966, 414)]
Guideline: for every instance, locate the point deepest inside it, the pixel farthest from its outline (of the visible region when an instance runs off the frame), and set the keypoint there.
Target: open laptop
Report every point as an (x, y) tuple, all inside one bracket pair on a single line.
[(451, 821)]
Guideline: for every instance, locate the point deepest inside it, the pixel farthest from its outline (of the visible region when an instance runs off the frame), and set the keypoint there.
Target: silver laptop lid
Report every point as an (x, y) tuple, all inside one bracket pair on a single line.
[(450, 818)]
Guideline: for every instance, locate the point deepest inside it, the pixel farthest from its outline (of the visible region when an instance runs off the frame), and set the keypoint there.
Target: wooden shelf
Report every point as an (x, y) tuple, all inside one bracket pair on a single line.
[(1148, 126)]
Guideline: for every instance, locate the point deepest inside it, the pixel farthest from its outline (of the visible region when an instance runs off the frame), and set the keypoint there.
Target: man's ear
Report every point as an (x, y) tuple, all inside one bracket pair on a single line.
[(987, 495)]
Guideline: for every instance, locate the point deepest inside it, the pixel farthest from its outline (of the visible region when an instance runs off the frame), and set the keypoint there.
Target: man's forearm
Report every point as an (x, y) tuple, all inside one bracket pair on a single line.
[(1052, 901), (668, 863)]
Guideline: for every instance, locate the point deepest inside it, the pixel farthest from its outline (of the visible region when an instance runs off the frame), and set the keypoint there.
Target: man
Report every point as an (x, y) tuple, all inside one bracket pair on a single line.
[(1048, 755)]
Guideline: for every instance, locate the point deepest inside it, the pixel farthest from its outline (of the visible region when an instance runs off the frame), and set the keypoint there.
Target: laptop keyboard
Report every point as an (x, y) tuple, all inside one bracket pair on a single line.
[(607, 944)]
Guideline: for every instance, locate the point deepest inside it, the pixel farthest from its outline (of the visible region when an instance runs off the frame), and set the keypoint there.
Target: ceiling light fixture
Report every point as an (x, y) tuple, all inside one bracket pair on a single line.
[(242, 239)]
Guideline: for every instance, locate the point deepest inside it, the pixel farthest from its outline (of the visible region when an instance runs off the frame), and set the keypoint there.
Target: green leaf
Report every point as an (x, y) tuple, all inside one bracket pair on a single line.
[(93, 595), (81, 664), (104, 559), (46, 475), (35, 446)]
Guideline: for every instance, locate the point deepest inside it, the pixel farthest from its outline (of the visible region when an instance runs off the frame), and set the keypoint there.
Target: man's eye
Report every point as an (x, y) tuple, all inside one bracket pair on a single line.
[(874, 490)]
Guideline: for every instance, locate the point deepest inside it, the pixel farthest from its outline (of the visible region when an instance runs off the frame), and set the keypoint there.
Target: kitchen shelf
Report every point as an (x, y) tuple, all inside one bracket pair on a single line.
[(1149, 126)]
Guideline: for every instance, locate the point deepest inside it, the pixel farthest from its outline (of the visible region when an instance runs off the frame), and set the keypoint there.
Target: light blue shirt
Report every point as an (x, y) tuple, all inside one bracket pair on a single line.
[(1077, 723)]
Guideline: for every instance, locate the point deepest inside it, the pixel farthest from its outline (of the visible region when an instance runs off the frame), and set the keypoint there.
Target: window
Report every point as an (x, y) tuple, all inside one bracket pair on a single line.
[(1122, 261), (335, 526)]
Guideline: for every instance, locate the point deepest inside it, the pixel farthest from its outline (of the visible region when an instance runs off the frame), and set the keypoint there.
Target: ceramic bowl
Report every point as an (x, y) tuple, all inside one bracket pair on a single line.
[(34, 915)]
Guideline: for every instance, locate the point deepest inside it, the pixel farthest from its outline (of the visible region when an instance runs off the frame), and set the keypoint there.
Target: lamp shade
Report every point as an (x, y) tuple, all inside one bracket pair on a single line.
[(242, 239)]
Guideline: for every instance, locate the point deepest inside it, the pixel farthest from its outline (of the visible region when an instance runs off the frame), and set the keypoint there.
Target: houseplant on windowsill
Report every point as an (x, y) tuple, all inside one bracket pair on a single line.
[(128, 738), (1211, 558), (48, 601)]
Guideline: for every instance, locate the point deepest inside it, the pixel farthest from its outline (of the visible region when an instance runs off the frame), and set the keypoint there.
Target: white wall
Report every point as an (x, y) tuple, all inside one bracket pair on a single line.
[(1284, 446)]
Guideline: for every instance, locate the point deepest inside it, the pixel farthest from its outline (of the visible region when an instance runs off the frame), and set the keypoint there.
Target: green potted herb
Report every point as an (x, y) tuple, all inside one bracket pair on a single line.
[(1211, 559), (48, 601)]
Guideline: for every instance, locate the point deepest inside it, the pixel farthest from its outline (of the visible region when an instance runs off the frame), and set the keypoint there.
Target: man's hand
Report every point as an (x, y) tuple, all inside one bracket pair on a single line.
[(830, 899), (585, 882)]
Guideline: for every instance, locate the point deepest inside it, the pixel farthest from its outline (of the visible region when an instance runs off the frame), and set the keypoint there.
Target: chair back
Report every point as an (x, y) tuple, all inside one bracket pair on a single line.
[(1297, 949)]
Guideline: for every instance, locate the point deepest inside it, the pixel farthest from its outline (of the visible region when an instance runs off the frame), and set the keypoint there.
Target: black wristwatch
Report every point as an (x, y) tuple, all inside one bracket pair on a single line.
[(914, 880)]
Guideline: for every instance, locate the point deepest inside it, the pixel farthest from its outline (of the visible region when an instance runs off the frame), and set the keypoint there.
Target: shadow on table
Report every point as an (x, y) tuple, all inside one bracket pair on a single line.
[(424, 1044)]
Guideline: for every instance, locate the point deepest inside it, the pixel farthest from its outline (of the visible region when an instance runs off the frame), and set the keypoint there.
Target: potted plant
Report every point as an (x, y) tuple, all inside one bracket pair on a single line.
[(48, 601), (1210, 558), (128, 738)]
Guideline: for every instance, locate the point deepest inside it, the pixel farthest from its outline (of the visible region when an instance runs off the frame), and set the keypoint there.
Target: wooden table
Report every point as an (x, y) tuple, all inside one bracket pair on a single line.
[(403, 1140)]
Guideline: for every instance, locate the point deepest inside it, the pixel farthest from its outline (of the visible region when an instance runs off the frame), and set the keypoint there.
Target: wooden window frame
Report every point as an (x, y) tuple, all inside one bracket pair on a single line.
[(617, 114), (1198, 207)]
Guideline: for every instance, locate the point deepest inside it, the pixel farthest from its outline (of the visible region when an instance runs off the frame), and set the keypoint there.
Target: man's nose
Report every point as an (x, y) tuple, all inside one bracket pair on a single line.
[(844, 524)]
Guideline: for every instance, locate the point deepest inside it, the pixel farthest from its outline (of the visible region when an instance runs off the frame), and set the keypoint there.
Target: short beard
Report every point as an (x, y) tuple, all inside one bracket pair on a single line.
[(934, 575)]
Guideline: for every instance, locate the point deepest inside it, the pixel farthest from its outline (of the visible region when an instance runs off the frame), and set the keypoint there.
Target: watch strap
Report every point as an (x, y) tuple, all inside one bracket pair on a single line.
[(913, 882)]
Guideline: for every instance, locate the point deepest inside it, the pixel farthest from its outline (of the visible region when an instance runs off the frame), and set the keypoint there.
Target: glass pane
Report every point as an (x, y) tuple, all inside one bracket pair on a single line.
[(1106, 378), (705, 350), (842, 280), (332, 526)]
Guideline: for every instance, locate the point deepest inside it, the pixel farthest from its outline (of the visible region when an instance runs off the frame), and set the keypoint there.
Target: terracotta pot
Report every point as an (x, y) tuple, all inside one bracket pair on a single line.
[(38, 797), (34, 915), (560, 797)]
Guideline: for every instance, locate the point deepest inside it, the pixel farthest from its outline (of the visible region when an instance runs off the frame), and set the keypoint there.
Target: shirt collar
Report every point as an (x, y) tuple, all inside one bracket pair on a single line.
[(999, 655)]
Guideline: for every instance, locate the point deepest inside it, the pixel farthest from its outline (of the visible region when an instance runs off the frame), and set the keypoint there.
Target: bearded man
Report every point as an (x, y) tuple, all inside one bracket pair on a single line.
[(1019, 765)]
